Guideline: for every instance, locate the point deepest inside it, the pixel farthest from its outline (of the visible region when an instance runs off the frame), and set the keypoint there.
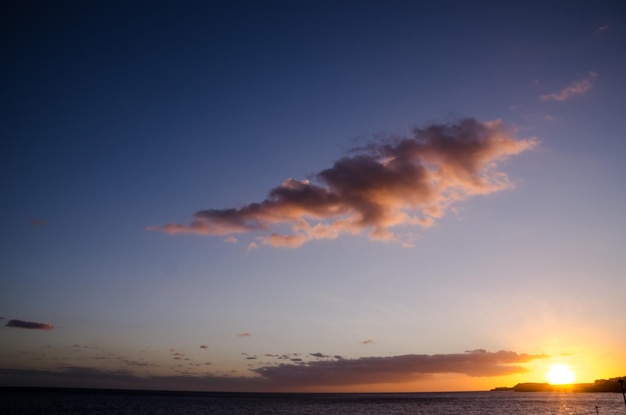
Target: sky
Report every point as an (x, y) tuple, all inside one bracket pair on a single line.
[(312, 196)]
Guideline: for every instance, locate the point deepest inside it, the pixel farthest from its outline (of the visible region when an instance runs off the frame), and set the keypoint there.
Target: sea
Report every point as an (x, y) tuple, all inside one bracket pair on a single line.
[(70, 402)]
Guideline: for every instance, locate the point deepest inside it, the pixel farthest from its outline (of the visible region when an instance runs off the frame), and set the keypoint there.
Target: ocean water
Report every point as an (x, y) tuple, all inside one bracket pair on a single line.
[(70, 402)]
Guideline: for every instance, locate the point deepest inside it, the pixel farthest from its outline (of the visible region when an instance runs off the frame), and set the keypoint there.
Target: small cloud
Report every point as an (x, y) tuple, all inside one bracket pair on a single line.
[(244, 334), (319, 355), (37, 222), (603, 28), (576, 88), (204, 346), (230, 240), (251, 358), (29, 325), (368, 341)]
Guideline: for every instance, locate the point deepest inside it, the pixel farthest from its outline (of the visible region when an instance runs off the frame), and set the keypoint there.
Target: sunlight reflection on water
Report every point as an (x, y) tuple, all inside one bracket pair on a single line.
[(471, 403)]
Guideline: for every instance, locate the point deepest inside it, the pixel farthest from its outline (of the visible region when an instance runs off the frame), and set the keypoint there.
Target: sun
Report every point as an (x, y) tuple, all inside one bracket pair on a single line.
[(560, 375)]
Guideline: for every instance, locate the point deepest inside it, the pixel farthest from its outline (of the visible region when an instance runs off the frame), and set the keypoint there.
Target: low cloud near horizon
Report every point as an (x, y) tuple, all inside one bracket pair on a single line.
[(29, 325), (396, 369), (298, 375), (402, 181)]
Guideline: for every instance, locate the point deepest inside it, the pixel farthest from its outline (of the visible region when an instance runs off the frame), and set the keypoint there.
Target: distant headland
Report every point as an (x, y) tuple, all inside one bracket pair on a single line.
[(600, 385)]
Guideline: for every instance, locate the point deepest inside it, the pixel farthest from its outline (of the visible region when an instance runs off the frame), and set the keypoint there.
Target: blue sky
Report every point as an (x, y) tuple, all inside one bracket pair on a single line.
[(123, 117)]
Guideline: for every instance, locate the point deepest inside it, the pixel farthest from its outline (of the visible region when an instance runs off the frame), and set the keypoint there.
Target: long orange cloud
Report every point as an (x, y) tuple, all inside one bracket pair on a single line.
[(477, 363), (402, 181)]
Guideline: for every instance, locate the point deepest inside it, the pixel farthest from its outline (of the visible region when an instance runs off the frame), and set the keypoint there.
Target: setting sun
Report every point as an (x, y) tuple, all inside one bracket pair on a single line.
[(560, 375)]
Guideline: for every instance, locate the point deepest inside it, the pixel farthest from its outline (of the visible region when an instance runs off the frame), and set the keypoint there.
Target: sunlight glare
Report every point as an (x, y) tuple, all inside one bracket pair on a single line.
[(560, 375)]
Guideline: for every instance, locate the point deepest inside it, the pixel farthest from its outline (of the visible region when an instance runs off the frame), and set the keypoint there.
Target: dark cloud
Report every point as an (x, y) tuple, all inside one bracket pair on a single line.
[(396, 368), (368, 341), (244, 334), (204, 346), (29, 325), (405, 181)]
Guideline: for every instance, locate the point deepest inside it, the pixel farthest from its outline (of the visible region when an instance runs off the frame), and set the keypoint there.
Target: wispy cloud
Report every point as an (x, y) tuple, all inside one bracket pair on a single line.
[(402, 181), (244, 334), (576, 88), (29, 325), (368, 341), (204, 346), (603, 28)]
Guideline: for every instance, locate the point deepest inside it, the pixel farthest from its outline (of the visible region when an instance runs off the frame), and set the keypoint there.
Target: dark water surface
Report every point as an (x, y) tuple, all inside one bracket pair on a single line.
[(66, 401)]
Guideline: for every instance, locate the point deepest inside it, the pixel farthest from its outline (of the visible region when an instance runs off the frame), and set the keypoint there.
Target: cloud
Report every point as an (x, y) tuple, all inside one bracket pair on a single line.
[(204, 346), (576, 88), (29, 325), (368, 341), (319, 355), (37, 222), (244, 334), (402, 181), (603, 28), (406, 368)]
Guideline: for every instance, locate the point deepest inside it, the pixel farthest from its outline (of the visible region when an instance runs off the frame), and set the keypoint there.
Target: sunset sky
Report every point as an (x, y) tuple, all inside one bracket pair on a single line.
[(312, 195)]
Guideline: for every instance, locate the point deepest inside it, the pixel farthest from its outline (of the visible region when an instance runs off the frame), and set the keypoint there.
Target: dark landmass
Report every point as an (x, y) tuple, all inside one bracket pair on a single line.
[(600, 385)]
